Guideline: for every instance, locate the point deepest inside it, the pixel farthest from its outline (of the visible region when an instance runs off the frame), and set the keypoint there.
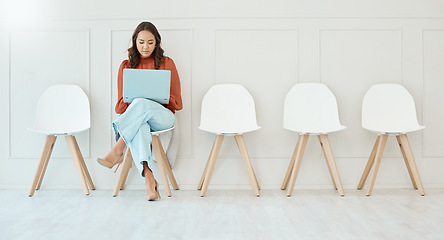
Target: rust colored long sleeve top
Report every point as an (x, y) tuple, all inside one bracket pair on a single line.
[(175, 102)]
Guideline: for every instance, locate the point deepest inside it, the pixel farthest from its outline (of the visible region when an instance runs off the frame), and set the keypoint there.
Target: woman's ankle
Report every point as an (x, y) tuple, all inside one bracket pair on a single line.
[(148, 173), (119, 146), (146, 168), (112, 155)]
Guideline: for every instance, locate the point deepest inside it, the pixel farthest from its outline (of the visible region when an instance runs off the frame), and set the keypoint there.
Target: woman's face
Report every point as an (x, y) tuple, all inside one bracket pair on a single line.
[(146, 42)]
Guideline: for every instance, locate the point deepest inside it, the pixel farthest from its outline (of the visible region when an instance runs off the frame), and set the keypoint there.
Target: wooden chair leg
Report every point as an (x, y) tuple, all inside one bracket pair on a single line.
[(328, 154), (169, 171), (126, 167), (379, 152), (369, 165), (127, 161), (241, 138), (290, 166), (72, 148), (212, 161), (243, 150), (411, 160), (406, 162), (83, 165), (44, 157), (328, 163), (199, 187), (299, 154), (48, 155), (161, 164)]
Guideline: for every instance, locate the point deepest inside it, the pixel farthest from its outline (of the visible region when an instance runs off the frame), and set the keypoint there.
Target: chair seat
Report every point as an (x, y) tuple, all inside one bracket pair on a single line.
[(318, 130), (161, 131), (230, 131), (56, 131), (397, 130)]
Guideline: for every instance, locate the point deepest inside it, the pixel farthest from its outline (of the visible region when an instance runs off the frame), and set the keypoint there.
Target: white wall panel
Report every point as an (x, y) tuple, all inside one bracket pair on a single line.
[(39, 59), (266, 63), (433, 54), (351, 62)]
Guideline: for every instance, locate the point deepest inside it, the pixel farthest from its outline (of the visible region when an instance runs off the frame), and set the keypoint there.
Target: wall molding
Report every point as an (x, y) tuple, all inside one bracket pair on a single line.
[(423, 81)]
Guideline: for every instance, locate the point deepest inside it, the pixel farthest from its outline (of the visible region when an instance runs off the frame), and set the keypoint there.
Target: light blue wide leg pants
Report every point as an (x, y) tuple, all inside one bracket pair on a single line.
[(135, 126)]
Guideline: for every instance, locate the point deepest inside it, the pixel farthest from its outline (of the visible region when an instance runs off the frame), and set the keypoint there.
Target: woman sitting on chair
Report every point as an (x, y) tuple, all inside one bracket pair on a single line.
[(142, 116)]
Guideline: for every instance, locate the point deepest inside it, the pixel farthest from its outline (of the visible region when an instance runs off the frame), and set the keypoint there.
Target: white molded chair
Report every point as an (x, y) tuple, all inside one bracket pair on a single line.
[(162, 163), (228, 109), (62, 110), (389, 109), (311, 109)]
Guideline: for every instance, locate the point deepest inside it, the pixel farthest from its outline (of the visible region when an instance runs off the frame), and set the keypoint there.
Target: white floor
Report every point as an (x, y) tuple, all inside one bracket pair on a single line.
[(222, 214)]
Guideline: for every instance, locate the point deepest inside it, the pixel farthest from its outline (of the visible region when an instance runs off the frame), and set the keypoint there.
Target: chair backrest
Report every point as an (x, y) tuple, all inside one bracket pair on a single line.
[(389, 108), (62, 109), (311, 108), (228, 109)]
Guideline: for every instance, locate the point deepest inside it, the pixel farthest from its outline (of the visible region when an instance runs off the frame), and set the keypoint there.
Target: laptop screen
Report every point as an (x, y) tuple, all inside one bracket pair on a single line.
[(146, 83)]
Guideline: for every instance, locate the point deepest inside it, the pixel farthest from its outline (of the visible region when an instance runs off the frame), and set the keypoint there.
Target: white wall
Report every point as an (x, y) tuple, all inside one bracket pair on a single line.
[(267, 46)]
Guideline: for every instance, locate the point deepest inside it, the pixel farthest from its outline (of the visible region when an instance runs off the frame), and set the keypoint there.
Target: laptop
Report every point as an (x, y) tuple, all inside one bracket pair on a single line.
[(145, 83)]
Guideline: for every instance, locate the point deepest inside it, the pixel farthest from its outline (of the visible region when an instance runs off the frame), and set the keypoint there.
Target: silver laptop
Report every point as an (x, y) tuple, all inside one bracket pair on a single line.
[(145, 83)]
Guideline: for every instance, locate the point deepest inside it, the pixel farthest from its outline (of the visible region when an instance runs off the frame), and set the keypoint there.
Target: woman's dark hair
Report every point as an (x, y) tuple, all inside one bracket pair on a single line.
[(133, 53)]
